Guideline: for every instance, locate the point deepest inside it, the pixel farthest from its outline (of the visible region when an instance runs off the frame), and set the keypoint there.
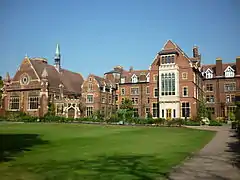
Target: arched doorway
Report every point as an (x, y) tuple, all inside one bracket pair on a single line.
[(71, 113)]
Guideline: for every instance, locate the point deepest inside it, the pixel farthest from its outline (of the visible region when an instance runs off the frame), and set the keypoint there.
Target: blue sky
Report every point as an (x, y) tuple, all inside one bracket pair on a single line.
[(96, 35)]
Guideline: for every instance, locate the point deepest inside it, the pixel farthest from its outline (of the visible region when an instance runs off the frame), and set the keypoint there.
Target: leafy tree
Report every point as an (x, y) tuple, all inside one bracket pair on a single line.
[(127, 104), (202, 109), (51, 109)]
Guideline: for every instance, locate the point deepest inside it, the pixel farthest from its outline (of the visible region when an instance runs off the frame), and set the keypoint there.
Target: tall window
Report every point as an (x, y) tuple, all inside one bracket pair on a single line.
[(210, 98), (155, 92), (116, 97), (185, 91), (209, 75), (174, 113), (148, 100), (122, 91), (229, 87), (134, 79), (185, 109), (59, 108), (110, 99), (147, 111), (103, 100), (162, 113), (155, 110), (155, 78), (147, 90), (168, 84), (33, 102), (230, 98), (90, 87), (14, 103), (231, 109), (89, 111), (134, 91), (209, 87), (135, 112), (89, 99)]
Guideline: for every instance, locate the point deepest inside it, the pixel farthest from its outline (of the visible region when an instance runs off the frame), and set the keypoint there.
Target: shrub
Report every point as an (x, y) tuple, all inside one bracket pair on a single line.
[(215, 123), (191, 123), (159, 121)]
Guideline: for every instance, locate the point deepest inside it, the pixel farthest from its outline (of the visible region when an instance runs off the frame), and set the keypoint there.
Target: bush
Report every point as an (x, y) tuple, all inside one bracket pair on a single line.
[(191, 123), (215, 123), (160, 121)]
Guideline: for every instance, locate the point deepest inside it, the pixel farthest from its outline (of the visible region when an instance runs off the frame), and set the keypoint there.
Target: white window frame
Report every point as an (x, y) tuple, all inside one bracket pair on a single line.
[(123, 80), (137, 91), (123, 91), (209, 74), (134, 78), (10, 102), (229, 72), (33, 101)]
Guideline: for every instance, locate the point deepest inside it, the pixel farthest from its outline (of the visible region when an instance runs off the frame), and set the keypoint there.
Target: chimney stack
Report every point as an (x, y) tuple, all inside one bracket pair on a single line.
[(219, 66), (238, 65), (130, 69), (195, 52)]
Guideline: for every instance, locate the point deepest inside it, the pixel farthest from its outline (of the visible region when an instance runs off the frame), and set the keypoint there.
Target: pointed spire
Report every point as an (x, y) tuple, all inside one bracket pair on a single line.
[(57, 53), (7, 77), (44, 73)]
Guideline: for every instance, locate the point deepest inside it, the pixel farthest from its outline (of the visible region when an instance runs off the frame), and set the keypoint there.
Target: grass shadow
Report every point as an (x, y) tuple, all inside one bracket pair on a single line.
[(234, 148), (11, 144), (104, 167)]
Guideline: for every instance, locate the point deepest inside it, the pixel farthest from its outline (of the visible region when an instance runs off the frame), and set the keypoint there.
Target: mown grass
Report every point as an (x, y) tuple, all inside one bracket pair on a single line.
[(74, 151)]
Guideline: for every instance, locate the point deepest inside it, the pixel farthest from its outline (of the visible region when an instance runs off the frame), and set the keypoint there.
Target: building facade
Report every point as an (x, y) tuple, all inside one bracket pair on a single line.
[(222, 85), (171, 87)]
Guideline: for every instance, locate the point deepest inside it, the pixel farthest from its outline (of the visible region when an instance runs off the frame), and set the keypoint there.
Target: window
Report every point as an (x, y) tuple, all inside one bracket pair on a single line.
[(14, 103), (168, 84), (168, 59), (148, 100), (231, 109), (103, 110), (122, 91), (59, 108), (109, 99), (230, 98), (147, 111), (147, 90), (155, 92), (155, 109), (229, 72), (135, 101), (210, 98), (116, 97), (134, 79), (162, 113), (155, 78), (185, 109), (89, 111), (209, 75), (184, 75), (122, 80), (211, 110), (148, 77), (185, 91), (90, 79), (90, 87), (33, 102), (122, 100), (229, 87), (134, 91), (135, 112), (209, 87), (89, 99), (103, 100), (174, 113)]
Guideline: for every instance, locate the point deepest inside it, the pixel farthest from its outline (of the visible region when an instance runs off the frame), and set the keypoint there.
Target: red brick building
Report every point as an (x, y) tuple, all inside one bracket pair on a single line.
[(36, 83), (222, 84)]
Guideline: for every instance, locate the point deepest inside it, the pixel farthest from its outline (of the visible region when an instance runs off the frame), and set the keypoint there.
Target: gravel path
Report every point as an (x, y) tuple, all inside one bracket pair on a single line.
[(215, 161)]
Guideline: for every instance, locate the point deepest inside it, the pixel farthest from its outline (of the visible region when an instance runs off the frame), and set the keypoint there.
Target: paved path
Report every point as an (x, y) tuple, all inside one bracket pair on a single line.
[(213, 162)]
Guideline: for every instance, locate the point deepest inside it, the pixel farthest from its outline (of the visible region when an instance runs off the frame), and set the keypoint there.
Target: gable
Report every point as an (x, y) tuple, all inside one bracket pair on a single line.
[(229, 69), (26, 68), (169, 45), (208, 71)]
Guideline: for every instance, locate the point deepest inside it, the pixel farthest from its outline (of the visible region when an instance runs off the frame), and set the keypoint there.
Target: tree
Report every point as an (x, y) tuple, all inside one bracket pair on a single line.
[(202, 109), (51, 109), (127, 104)]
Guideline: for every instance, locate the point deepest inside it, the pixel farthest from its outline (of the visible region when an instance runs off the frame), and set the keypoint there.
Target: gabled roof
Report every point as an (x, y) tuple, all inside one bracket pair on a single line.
[(229, 68), (213, 67), (103, 82), (128, 74), (71, 81)]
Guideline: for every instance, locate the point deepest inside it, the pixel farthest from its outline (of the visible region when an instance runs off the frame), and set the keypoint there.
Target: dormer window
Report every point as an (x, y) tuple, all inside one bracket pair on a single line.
[(209, 74), (134, 79), (148, 77), (229, 72), (123, 80)]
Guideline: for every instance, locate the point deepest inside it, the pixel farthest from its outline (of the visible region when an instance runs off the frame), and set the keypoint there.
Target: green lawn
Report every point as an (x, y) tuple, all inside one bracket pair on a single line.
[(76, 151)]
